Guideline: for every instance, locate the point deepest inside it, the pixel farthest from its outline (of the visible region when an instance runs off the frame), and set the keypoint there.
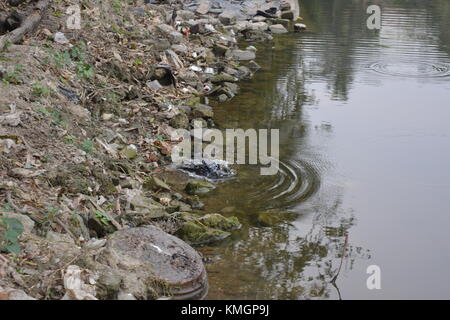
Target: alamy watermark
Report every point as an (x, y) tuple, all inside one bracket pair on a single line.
[(374, 20), (235, 146), (374, 280)]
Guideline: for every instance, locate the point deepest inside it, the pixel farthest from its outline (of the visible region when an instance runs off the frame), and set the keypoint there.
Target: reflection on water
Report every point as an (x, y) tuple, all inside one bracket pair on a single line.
[(364, 179)]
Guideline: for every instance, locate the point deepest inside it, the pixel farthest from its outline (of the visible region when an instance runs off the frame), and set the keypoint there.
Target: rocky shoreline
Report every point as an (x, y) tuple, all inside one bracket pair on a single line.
[(86, 123)]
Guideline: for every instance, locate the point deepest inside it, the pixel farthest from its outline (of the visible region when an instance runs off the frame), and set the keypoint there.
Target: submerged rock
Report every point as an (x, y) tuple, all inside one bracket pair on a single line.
[(209, 228), (242, 55), (195, 187)]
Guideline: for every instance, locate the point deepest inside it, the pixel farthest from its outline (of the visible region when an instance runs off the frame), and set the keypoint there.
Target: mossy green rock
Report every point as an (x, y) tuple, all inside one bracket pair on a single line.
[(198, 187), (206, 229), (195, 232), (217, 221)]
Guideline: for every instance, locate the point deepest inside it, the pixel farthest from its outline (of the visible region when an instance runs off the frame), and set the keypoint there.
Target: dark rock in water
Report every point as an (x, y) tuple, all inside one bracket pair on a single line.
[(208, 169)]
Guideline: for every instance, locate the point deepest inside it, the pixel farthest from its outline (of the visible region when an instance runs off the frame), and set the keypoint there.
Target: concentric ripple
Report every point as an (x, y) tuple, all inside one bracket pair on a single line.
[(295, 182), (411, 69)]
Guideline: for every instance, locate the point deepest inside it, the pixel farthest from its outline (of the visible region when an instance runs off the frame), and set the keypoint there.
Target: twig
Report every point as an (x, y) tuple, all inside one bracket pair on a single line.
[(11, 203)]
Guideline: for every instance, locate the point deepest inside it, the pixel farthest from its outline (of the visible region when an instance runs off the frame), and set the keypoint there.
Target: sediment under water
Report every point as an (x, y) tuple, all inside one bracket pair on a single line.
[(364, 119)]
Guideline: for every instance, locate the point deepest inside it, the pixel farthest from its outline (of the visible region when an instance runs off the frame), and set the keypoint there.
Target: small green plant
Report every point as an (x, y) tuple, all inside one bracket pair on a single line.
[(39, 90), (69, 139), (13, 76), (87, 146), (9, 239), (102, 217)]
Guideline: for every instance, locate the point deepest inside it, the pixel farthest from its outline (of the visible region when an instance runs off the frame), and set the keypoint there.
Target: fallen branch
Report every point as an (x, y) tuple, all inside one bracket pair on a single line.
[(28, 24)]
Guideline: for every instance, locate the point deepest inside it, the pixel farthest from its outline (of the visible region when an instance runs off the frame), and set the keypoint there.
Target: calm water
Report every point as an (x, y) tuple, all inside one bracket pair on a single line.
[(365, 150)]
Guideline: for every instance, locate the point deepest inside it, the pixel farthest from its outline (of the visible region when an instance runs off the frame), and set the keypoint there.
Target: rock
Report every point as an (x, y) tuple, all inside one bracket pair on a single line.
[(243, 73), (222, 98), (129, 152), (233, 89), (299, 27), (173, 35), (148, 263), (287, 15), (211, 169), (217, 221), (179, 48), (154, 183), (203, 7), (220, 50), (261, 26), (196, 233), (241, 55), (277, 28), (259, 19), (227, 18), (60, 38), (253, 66), (158, 44), (78, 111), (154, 85), (195, 187), (269, 219), (14, 294), (257, 35), (26, 222), (266, 14), (179, 121), (59, 237), (202, 111), (107, 116), (185, 14), (285, 6), (223, 77)]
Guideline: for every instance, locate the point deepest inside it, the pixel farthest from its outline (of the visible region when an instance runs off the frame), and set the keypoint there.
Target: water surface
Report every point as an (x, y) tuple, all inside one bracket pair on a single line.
[(365, 151)]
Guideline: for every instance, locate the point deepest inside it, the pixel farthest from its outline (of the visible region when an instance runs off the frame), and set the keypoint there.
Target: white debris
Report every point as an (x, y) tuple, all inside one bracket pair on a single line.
[(75, 287)]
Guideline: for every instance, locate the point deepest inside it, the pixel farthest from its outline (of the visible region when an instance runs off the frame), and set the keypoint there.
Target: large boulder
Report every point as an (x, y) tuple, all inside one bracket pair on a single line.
[(147, 263)]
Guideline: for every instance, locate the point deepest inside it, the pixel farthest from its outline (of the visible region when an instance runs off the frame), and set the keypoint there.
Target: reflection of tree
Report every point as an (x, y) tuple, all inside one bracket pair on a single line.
[(277, 263)]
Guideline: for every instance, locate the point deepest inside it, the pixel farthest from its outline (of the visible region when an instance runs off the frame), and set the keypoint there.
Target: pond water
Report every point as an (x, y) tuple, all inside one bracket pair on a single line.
[(364, 119)]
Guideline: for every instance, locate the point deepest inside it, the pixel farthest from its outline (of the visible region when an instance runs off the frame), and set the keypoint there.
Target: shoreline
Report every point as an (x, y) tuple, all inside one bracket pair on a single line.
[(87, 133)]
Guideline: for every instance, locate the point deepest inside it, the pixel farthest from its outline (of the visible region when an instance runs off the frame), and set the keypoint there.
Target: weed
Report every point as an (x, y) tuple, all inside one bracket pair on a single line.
[(9, 239), (87, 146), (39, 90)]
